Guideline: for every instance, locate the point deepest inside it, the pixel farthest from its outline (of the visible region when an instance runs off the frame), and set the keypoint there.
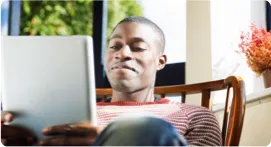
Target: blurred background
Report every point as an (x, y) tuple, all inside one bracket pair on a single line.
[(202, 37), (97, 19)]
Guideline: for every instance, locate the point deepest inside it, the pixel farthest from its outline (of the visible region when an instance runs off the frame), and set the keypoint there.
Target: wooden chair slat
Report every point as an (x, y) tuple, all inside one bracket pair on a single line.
[(183, 97), (205, 99)]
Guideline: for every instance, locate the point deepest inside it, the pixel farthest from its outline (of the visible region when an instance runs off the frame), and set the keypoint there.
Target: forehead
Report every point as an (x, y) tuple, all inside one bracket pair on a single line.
[(129, 30)]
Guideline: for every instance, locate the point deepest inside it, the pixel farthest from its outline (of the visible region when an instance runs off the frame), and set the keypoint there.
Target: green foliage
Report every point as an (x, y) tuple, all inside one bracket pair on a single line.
[(70, 17), (120, 9), (56, 18)]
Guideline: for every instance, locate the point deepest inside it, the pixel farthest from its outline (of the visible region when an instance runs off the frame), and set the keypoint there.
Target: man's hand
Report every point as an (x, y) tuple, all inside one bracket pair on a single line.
[(11, 135), (72, 135)]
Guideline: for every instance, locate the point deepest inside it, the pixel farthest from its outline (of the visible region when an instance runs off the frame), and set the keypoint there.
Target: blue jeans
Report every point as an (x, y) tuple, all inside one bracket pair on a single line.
[(140, 131)]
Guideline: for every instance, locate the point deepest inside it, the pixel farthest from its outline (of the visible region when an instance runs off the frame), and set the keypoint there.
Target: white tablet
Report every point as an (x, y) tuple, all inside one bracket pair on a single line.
[(48, 80)]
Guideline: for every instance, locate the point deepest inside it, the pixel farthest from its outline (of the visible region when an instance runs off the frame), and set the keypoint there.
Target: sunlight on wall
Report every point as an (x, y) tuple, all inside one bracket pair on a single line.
[(228, 19), (171, 17)]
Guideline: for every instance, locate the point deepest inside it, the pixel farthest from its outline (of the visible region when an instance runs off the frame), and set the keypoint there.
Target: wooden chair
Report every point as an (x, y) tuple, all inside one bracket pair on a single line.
[(233, 115)]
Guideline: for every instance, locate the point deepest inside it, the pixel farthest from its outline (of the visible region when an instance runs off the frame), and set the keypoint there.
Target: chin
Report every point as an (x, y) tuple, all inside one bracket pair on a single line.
[(122, 77), (123, 86)]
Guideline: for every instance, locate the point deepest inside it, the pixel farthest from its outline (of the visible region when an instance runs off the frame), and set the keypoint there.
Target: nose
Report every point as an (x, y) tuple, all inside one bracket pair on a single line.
[(124, 54)]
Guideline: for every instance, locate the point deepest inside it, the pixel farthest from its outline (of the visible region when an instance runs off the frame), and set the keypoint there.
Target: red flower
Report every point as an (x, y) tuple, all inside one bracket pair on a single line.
[(256, 46)]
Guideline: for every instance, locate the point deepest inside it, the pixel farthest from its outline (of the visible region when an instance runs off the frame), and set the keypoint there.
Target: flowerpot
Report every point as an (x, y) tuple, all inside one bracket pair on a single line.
[(267, 78)]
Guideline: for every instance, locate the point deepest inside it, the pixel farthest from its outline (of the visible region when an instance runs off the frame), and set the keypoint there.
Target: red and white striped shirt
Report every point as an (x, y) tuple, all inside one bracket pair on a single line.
[(197, 124)]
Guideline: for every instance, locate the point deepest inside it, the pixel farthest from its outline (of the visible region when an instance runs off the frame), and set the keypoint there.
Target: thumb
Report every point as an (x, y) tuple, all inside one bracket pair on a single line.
[(6, 117)]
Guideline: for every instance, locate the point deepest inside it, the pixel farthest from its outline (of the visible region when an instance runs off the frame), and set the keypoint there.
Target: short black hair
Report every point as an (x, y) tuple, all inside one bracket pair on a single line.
[(155, 27)]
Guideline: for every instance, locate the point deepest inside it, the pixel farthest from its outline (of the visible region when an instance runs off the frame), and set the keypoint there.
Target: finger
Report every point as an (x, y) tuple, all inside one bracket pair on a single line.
[(6, 117), (4, 141), (12, 135), (14, 132), (71, 130), (16, 141), (67, 141)]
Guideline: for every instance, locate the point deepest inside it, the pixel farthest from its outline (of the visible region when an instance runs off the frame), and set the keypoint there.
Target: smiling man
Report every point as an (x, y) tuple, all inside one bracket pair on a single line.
[(133, 116), (134, 56)]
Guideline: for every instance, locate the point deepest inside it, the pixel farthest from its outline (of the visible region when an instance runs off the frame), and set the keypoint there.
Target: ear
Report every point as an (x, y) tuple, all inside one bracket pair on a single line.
[(162, 62)]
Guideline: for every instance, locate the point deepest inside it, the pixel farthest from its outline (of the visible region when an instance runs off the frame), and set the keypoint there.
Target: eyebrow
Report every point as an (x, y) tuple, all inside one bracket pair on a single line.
[(137, 39), (115, 36)]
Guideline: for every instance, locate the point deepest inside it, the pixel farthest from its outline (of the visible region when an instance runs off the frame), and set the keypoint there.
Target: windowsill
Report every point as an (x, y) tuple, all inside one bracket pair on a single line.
[(251, 99)]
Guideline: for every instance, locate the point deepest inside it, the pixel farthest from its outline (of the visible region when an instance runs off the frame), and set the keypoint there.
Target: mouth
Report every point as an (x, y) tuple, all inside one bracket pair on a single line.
[(124, 67)]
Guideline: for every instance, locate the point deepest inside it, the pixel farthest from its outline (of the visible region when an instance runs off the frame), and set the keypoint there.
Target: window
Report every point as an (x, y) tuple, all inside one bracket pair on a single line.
[(171, 17), (4, 17), (228, 20)]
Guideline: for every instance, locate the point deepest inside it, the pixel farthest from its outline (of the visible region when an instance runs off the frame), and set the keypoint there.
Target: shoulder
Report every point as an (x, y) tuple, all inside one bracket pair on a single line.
[(203, 126), (193, 110), (198, 115)]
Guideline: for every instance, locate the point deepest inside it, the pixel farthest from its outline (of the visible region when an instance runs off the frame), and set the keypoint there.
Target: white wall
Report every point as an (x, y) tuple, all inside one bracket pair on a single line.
[(257, 127), (198, 50)]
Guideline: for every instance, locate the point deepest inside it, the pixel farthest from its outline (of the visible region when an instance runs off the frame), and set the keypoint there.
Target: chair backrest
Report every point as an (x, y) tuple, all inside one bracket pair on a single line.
[(233, 114)]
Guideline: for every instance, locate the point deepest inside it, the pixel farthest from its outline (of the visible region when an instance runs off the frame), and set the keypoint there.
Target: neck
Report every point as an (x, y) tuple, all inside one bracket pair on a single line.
[(145, 95)]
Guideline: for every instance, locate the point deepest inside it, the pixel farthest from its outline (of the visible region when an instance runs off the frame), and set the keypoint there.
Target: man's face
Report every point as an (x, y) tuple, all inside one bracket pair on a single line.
[(133, 57)]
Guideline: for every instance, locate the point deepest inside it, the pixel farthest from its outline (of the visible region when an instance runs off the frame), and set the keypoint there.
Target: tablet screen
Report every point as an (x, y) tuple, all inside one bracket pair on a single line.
[(48, 80)]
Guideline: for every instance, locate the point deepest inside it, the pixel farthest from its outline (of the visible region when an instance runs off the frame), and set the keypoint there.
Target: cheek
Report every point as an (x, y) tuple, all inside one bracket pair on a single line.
[(107, 60), (149, 65)]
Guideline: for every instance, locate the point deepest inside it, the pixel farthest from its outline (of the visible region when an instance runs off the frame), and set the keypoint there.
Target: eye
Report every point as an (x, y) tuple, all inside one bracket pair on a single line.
[(139, 46), (115, 47), (138, 49)]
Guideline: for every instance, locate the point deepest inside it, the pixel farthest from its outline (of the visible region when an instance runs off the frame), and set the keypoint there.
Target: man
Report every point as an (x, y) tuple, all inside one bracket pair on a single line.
[(135, 53)]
